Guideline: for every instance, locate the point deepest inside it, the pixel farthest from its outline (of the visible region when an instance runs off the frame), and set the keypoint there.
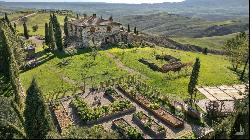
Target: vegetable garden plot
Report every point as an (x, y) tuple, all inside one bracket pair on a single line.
[(126, 129), (62, 116), (149, 124), (103, 113)]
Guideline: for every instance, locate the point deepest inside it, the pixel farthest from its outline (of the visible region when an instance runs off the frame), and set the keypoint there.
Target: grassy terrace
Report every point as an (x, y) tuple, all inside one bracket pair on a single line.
[(38, 19), (215, 42), (51, 77)]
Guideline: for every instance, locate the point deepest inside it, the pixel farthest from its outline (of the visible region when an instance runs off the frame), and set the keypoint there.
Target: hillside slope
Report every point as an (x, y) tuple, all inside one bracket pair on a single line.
[(176, 25)]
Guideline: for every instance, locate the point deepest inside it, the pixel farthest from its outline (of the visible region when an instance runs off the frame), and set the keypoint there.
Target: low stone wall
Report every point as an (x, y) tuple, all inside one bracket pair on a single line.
[(110, 116), (149, 130), (153, 111)]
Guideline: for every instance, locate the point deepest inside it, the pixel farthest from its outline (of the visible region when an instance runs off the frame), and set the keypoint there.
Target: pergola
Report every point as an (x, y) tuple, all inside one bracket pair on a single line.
[(223, 95)]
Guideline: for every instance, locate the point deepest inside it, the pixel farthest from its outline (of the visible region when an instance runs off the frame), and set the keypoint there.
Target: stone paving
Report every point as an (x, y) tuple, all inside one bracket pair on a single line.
[(89, 98)]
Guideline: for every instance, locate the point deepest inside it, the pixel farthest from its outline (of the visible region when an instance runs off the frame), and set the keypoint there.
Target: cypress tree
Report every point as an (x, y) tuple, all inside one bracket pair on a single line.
[(194, 78), (6, 18), (77, 16), (66, 31), (9, 46), (25, 31), (51, 39), (135, 31), (46, 34), (128, 28), (36, 118), (15, 25), (57, 33)]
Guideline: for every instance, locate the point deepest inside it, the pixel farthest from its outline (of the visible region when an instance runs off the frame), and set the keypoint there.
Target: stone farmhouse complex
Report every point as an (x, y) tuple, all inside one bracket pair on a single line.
[(97, 30)]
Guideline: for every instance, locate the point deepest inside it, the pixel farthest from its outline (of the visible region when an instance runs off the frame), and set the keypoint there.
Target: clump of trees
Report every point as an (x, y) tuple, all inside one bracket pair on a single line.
[(237, 50), (53, 34)]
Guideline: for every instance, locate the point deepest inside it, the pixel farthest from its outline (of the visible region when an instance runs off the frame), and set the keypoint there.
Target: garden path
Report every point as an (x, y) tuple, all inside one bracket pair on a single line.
[(122, 66)]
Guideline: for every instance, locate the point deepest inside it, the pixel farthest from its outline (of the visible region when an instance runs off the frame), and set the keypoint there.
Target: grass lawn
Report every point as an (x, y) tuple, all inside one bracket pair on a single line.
[(214, 71), (50, 76), (39, 19), (215, 42)]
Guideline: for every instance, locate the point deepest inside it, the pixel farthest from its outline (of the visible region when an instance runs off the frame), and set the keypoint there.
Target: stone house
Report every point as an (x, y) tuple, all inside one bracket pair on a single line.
[(97, 30)]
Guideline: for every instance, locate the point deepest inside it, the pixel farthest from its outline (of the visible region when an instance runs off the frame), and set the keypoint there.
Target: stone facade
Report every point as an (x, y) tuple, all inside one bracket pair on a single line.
[(98, 30)]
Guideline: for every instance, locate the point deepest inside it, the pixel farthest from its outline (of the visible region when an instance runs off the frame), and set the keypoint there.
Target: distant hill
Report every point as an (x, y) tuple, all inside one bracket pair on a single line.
[(207, 9), (176, 25)]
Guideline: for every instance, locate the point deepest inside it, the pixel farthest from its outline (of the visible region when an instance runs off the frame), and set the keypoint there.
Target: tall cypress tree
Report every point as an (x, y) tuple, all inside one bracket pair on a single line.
[(128, 28), (57, 33), (135, 31), (46, 34), (37, 123), (9, 44), (66, 31), (6, 18), (51, 37), (194, 78), (25, 31)]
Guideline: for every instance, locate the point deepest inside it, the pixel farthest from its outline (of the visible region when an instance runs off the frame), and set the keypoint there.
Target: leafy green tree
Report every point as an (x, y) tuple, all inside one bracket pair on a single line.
[(237, 49), (46, 34), (36, 119), (194, 79), (35, 28), (25, 31)]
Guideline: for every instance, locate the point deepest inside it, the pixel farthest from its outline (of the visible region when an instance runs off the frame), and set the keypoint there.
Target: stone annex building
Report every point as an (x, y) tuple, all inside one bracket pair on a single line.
[(98, 30)]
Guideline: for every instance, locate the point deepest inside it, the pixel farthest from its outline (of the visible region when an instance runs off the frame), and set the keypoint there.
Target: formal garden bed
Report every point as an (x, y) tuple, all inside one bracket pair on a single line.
[(153, 107), (61, 116), (149, 124), (175, 66), (112, 94), (102, 113), (126, 129), (168, 58)]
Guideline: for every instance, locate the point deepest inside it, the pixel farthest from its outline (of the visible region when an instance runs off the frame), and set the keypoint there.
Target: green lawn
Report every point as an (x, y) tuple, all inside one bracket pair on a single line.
[(39, 19), (215, 42), (214, 71)]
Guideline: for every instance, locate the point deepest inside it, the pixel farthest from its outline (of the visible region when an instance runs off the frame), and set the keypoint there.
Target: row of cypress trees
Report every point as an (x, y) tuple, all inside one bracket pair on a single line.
[(53, 34)]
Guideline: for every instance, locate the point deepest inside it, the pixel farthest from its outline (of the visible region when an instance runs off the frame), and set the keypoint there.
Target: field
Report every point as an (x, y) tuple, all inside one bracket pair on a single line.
[(215, 42), (51, 77), (38, 19)]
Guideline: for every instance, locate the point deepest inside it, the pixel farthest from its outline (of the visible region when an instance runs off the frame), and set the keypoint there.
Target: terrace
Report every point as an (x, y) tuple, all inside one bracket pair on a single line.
[(105, 107)]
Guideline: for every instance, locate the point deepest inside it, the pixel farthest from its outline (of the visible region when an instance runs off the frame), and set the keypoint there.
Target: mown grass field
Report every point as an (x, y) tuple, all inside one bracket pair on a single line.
[(214, 71), (215, 42), (38, 19)]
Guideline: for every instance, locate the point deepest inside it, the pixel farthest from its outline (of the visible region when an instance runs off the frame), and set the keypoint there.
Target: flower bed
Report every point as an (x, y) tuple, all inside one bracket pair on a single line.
[(62, 116), (126, 129), (158, 112), (149, 124), (99, 114), (113, 95)]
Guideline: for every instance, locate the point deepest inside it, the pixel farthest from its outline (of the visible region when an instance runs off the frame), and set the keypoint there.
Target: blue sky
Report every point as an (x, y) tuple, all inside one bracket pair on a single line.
[(109, 1)]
